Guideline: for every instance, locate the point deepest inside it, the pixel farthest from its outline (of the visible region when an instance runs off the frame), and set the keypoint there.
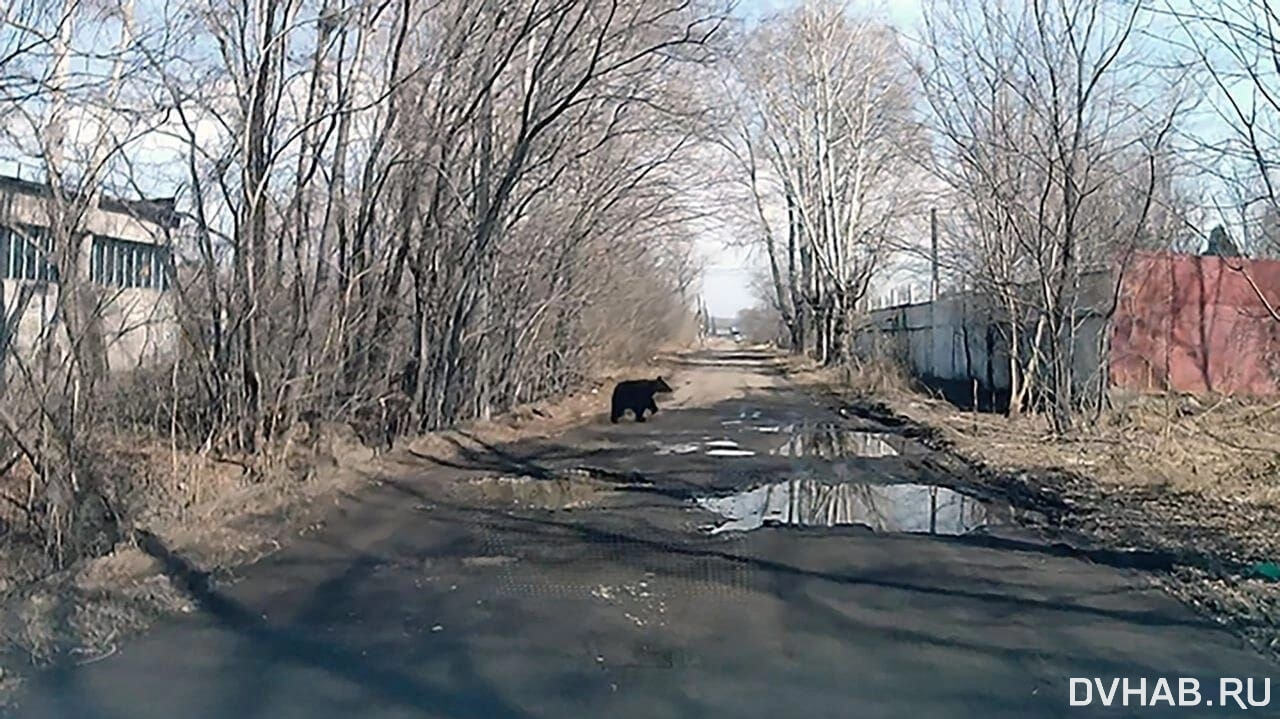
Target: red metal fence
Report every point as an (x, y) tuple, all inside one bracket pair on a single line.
[(1193, 324)]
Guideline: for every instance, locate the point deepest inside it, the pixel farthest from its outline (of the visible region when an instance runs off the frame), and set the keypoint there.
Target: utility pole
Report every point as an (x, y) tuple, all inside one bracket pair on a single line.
[(933, 253), (936, 348)]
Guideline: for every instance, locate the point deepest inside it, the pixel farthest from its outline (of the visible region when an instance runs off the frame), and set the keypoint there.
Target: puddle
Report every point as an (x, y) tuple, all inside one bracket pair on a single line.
[(742, 418), (677, 449), (912, 508), (834, 442), (726, 452), (714, 448), (535, 493), (726, 448), (488, 561)]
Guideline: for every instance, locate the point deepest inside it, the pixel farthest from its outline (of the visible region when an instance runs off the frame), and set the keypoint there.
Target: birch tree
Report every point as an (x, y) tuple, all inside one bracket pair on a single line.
[(825, 139)]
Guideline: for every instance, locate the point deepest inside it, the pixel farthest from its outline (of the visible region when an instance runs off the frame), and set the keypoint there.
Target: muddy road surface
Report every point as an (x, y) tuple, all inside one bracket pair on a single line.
[(748, 552)]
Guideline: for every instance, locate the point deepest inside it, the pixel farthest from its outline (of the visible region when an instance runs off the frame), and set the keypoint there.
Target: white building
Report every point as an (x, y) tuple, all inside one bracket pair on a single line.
[(125, 246)]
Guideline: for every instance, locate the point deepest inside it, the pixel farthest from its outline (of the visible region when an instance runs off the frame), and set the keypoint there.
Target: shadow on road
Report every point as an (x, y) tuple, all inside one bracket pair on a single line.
[(270, 645), (768, 623), (550, 524)]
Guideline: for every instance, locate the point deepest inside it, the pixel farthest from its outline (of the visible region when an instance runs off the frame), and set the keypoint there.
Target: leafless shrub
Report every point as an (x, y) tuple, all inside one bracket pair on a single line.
[(822, 139), (394, 216), (1054, 168)]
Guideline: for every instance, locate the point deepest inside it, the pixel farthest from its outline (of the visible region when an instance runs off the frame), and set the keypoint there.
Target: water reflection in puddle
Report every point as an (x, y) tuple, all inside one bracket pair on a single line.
[(916, 508), (833, 442), (713, 448), (677, 449), (742, 417), (727, 448)]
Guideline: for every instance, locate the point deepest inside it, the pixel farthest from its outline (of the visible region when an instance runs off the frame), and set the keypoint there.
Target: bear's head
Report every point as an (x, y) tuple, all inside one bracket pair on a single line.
[(660, 385)]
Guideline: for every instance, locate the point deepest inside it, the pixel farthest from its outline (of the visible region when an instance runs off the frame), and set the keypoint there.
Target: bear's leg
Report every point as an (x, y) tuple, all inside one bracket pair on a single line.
[(616, 412), (639, 413), (653, 406)]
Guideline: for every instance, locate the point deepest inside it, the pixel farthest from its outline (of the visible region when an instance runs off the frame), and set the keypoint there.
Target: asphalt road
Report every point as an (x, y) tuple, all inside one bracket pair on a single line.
[(594, 588)]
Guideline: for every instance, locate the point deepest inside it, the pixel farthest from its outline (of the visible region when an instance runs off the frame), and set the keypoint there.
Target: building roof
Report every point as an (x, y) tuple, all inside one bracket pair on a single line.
[(160, 211)]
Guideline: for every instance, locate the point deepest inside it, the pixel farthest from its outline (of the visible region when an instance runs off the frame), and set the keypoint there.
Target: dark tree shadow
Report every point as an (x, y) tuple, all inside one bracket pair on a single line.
[(283, 645), (552, 524)]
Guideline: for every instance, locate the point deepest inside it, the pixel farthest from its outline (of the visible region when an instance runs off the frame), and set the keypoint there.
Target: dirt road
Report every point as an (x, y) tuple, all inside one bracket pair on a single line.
[(746, 553)]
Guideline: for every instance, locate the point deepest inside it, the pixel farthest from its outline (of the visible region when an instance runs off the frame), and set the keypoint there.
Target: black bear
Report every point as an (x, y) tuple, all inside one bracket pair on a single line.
[(636, 395)]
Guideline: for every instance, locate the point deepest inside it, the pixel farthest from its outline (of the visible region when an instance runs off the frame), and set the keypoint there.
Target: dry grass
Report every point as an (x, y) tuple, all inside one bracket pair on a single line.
[(1163, 472), (1199, 478), (83, 613), (876, 377), (1245, 605), (1227, 449)]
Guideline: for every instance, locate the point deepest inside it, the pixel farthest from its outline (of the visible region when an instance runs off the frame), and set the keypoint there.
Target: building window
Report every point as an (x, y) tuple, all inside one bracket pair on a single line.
[(121, 263), (26, 253)]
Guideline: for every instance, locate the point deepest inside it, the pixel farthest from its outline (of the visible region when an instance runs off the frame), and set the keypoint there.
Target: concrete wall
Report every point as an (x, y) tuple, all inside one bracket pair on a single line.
[(946, 340), (139, 328), (138, 325), (953, 340), (20, 205), (38, 317)]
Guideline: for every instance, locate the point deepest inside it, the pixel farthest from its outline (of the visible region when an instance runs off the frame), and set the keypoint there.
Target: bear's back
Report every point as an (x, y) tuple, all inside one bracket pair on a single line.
[(634, 388)]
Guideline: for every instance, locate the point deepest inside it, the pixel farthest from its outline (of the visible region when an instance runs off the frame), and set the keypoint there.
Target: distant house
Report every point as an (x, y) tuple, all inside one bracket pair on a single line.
[(1187, 323), (721, 327), (1220, 244), (125, 256)]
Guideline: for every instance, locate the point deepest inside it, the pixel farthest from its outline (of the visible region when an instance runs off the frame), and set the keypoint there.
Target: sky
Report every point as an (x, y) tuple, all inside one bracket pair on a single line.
[(728, 271)]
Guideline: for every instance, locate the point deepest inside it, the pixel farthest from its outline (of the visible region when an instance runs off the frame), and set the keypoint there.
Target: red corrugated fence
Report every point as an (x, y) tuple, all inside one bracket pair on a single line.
[(1193, 324)]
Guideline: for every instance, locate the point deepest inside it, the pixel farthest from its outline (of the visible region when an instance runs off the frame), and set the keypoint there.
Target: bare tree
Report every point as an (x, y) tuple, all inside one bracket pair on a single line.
[(396, 214), (75, 121), (823, 136), (1236, 45), (1053, 126)]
